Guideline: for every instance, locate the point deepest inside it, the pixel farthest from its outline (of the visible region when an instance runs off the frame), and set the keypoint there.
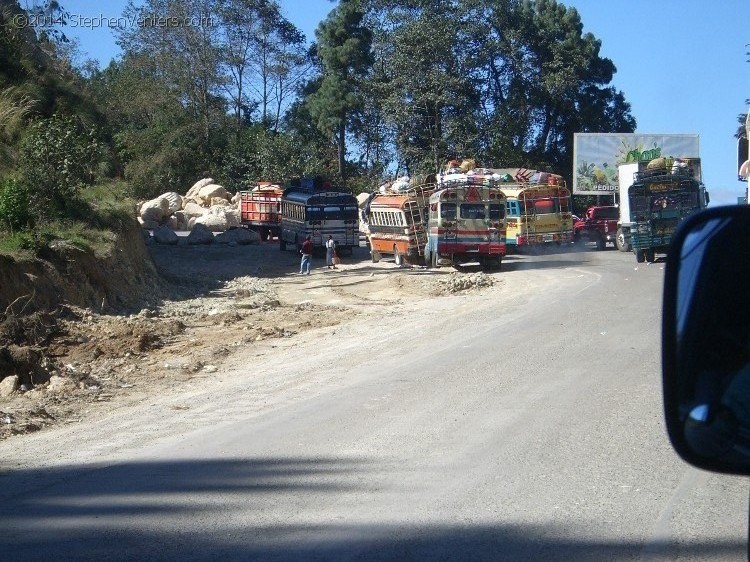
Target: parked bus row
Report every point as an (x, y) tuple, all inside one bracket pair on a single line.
[(448, 220), (468, 218)]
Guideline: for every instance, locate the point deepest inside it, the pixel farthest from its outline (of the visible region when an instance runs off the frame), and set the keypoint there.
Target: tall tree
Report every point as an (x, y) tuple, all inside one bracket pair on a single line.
[(262, 57), (505, 81), (344, 49), (185, 52), (543, 80), (426, 84)]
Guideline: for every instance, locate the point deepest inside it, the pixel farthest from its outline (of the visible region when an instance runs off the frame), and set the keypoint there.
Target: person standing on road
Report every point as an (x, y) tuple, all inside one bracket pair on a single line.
[(330, 247), (306, 251)]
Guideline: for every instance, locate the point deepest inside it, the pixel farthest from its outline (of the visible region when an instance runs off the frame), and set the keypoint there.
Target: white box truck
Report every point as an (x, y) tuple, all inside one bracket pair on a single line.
[(626, 173)]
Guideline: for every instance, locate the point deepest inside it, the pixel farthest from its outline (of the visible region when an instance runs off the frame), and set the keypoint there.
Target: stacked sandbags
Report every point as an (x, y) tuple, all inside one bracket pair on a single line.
[(399, 185)]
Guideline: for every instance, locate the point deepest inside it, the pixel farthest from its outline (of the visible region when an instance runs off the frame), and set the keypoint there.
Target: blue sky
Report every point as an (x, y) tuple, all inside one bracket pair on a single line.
[(681, 65)]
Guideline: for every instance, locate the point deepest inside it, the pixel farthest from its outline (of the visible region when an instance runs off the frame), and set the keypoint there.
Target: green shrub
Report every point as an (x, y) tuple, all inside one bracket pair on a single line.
[(14, 205), (59, 157)]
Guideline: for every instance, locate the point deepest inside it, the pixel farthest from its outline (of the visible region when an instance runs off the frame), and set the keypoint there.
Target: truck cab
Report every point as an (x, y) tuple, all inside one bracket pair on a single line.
[(598, 225)]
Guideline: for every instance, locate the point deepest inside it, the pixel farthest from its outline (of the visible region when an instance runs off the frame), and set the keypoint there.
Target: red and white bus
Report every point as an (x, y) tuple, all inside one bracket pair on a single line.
[(467, 225)]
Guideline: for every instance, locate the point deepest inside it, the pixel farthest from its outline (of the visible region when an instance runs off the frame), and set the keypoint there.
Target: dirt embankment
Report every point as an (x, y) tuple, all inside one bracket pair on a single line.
[(86, 333), (64, 274)]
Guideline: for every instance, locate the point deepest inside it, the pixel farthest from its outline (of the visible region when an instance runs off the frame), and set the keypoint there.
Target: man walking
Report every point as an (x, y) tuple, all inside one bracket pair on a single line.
[(306, 251)]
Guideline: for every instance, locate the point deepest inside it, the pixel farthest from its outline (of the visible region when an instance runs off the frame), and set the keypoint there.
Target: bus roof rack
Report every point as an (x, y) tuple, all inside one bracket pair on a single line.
[(666, 168), (317, 183)]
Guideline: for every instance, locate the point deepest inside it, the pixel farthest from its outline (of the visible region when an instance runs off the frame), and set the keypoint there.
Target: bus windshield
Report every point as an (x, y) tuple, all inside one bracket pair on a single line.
[(472, 211), (331, 212)]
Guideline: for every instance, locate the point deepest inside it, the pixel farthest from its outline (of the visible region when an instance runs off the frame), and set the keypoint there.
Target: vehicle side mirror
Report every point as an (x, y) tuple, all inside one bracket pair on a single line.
[(706, 340)]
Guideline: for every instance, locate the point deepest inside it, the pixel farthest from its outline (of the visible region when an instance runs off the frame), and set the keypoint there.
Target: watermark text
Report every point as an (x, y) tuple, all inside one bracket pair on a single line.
[(102, 21)]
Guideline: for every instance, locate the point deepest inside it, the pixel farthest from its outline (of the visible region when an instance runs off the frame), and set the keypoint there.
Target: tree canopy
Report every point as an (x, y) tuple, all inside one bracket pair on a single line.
[(388, 86)]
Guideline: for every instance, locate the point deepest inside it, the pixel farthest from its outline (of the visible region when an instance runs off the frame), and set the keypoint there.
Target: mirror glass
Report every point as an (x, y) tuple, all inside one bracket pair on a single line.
[(712, 324)]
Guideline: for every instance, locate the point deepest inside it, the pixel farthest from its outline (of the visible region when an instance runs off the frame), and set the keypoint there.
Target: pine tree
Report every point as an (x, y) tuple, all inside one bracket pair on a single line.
[(344, 50)]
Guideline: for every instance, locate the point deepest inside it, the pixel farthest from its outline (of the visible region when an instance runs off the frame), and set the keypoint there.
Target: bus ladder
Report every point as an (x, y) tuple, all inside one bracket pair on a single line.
[(418, 199)]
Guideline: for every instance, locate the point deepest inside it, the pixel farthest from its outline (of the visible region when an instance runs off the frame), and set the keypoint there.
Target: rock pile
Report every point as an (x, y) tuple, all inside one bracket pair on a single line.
[(205, 209), (205, 203), (457, 282)]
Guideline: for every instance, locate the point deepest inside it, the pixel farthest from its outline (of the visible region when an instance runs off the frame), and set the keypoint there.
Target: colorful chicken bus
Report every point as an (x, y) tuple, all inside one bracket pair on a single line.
[(466, 225), (260, 209), (537, 214), (661, 197), (397, 224), (308, 209)]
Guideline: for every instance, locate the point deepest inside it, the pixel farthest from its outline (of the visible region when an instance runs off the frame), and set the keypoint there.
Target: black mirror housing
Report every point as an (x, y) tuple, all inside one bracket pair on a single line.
[(706, 340)]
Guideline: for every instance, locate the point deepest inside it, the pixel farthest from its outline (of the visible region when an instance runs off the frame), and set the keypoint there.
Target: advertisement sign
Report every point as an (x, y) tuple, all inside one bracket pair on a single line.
[(596, 156)]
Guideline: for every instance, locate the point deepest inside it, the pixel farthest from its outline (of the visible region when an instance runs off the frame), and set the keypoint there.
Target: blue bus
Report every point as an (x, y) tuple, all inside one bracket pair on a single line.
[(318, 213)]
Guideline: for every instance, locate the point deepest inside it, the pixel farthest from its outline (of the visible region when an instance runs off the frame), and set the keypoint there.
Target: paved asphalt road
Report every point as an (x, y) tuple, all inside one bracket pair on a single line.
[(493, 429)]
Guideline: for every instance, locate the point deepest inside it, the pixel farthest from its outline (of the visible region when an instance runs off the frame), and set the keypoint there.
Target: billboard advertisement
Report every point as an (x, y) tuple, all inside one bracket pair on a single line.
[(596, 156)]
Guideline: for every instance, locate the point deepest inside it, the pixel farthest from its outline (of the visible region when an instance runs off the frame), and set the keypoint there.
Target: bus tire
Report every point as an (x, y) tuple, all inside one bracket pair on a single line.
[(434, 260), (621, 241), (650, 256), (264, 234), (375, 256), (640, 256), (601, 243), (397, 257), (282, 244)]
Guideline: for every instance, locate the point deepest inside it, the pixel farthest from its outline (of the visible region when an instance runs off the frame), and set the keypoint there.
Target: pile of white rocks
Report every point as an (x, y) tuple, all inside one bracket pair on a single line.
[(205, 209)]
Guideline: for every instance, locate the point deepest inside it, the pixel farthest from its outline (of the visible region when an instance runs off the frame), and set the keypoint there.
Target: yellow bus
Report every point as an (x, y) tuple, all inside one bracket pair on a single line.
[(538, 214)]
